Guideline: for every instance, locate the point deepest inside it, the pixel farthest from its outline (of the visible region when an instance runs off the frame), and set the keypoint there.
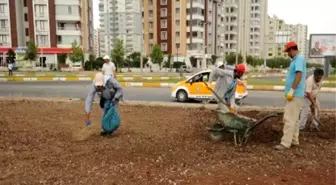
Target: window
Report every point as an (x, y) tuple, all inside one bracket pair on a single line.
[(177, 45), (26, 17), (41, 25), (2, 8), (3, 24), (164, 23), (163, 35), (40, 10), (163, 2), (150, 13), (150, 24), (163, 12), (177, 10), (151, 36), (42, 40), (27, 32), (177, 34), (164, 46), (177, 22), (25, 3), (69, 10), (270, 54), (150, 46)]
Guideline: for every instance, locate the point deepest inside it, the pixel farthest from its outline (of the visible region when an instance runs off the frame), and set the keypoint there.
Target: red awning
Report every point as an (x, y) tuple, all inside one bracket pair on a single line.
[(53, 50), (41, 50)]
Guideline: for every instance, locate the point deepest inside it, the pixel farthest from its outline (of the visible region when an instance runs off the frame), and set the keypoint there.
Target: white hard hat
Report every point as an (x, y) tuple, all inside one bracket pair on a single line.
[(219, 64), (106, 57)]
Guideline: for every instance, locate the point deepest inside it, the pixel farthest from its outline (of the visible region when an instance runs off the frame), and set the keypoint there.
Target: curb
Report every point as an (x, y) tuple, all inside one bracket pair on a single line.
[(152, 104), (146, 84), (323, 81)]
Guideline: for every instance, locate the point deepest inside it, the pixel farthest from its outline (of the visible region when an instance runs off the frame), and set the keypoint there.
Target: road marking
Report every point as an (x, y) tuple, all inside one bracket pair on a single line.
[(84, 79)]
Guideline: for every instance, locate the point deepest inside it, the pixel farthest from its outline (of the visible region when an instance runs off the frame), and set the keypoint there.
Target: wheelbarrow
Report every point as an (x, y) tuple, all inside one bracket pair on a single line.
[(241, 126)]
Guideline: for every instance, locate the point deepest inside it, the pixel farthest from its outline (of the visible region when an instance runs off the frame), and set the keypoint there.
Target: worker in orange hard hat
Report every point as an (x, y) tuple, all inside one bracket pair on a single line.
[(239, 70), (229, 95), (294, 94)]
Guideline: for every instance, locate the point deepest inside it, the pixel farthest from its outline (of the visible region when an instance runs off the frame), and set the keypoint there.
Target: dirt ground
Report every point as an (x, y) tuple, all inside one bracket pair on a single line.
[(154, 146)]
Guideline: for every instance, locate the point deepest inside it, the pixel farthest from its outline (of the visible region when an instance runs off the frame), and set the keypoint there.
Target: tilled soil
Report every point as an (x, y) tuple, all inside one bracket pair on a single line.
[(154, 145)]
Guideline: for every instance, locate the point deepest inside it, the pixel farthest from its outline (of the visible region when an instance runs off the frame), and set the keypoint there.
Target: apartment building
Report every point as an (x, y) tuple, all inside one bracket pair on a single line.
[(53, 25), (96, 43), (120, 19), (184, 28), (245, 26), (279, 33)]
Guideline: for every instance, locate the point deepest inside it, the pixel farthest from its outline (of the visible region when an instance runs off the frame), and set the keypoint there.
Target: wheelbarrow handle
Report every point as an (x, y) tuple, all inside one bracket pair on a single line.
[(217, 96)]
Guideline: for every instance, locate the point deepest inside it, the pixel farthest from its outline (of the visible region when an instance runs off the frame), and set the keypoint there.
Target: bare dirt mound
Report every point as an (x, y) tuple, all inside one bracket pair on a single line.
[(154, 145)]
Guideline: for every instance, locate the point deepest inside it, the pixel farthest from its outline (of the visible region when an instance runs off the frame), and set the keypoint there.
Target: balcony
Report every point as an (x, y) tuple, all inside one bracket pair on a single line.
[(68, 17), (4, 44), (4, 15), (68, 30), (4, 30), (195, 28), (196, 4), (255, 18), (255, 25), (256, 4), (195, 40), (195, 16), (42, 2)]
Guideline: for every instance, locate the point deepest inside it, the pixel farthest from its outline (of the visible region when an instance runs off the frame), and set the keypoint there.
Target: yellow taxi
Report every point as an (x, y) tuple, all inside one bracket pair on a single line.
[(193, 88)]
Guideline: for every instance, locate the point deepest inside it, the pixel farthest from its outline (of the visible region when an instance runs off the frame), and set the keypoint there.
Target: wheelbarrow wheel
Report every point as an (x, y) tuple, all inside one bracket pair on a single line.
[(216, 133), (216, 136)]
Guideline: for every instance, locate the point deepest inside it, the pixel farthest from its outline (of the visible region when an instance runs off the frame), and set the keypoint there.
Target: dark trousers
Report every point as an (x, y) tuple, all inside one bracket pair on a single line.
[(10, 72)]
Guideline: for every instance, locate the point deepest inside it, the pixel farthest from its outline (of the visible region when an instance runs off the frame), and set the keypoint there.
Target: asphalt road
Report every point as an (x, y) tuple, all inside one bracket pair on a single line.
[(79, 90)]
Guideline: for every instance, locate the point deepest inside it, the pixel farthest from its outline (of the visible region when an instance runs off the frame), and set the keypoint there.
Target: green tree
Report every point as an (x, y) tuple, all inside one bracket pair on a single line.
[(278, 63), (193, 61), (134, 59), (157, 55), (94, 63), (77, 54), (144, 61), (213, 59), (333, 62), (61, 58), (118, 53), (231, 58), (11, 55), (31, 52)]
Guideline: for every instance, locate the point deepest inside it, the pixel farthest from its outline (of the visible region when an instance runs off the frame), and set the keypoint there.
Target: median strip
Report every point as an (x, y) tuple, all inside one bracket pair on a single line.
[(142, 84)]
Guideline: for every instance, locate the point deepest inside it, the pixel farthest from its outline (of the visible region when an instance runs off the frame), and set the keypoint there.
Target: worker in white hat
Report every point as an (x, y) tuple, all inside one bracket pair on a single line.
[(110, 92), (109, 68), (222, 77)]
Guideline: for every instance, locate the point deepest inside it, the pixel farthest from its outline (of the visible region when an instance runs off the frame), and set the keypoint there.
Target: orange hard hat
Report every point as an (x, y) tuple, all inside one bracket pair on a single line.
[(289, 45), (240, 68)]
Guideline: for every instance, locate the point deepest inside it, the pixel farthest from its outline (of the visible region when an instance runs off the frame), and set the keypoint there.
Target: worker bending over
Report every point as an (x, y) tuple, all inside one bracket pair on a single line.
[(110, 92), (310, 102)]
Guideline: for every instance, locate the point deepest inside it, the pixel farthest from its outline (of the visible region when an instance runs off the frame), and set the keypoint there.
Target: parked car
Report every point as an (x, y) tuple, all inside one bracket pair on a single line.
[(194, 88), (185, 69)]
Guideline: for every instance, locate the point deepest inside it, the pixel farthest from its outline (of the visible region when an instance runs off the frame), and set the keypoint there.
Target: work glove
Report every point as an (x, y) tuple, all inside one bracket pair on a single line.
[(290, 95), (114, 101), (232, 109)]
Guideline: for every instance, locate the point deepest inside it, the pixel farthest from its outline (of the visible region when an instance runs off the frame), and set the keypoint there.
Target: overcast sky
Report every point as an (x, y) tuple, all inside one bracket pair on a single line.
[(319, 15)]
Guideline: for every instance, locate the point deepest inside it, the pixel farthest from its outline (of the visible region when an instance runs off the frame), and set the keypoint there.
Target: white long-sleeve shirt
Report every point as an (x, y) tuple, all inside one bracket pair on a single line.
[(223, 78), (108, 68)]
